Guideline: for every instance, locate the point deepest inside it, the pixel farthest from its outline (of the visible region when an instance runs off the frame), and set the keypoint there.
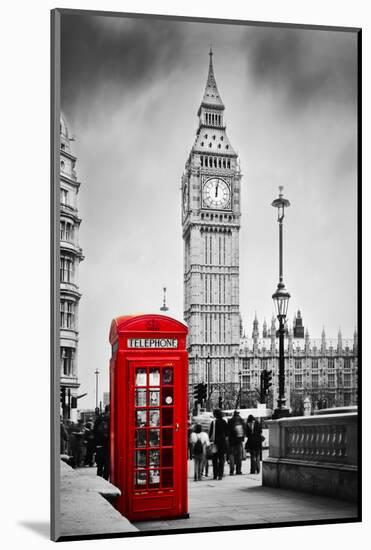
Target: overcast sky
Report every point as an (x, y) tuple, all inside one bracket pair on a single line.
[(130, 92)]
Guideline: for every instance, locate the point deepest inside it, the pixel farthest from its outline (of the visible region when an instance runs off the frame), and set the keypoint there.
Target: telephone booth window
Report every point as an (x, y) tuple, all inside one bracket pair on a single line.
[(141, 378), (154, 428)]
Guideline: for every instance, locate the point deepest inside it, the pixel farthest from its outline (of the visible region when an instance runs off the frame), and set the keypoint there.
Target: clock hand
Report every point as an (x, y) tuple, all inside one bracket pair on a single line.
[(216, 190)]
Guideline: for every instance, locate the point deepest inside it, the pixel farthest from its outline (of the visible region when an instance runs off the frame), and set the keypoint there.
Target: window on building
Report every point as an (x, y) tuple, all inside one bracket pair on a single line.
[(221, 138), (331, 363), (347, 399), (314, 380), (264, 364), (331, 380), (298, 363), (346, 362), (67, 231), (246, 381), (314, 363), (298, 380), (62, 164), (67, 310), (67, 359), (347, 380), (64, 196), (66, 269)]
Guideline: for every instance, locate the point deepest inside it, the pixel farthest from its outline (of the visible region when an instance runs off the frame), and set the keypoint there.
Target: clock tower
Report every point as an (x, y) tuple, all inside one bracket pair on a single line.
[(211, 198)]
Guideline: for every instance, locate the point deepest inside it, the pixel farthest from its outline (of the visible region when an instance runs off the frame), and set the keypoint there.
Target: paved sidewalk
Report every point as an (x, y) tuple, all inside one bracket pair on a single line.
[(84, 511), (241, 500), (233, 501)]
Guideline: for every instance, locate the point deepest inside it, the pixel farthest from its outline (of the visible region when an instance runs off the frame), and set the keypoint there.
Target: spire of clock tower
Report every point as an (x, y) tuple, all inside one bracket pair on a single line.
[(211, 96)]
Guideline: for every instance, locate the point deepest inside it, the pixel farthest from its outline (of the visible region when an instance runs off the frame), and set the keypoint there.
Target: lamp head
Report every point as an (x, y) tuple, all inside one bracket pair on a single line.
[(281, 300), (281, 203)]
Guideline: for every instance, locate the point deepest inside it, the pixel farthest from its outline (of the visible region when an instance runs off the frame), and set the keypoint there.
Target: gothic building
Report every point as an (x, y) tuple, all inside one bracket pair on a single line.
[(70, 257), (211, 224), (323, 370)]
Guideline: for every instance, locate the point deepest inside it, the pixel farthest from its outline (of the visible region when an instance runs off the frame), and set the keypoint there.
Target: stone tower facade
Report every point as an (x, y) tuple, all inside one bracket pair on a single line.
[(70, 257), (211, 199)]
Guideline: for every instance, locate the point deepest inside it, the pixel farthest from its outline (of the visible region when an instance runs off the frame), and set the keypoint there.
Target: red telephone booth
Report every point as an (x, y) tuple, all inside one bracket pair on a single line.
[(148, 386)]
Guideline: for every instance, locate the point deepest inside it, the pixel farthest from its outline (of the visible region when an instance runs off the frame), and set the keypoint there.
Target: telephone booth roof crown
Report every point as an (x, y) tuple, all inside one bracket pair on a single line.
[(145, 323)]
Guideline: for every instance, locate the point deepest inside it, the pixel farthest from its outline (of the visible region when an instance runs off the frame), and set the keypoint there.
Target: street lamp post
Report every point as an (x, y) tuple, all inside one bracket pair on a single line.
[(281, 301), (208, 364), (240, 393), (96, 387)]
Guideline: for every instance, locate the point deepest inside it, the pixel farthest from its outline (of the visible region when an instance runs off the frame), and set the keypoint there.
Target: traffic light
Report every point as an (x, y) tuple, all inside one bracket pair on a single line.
[(195, 392), (265, 382), (200, 392)]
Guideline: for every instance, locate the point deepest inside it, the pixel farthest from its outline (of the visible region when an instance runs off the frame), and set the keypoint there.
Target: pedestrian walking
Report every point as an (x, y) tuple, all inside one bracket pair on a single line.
[(199, 441), (236, 435), (102, 443), (218, 433), (77, 444), (90, 444), (64, 438), (253, 443), (190, 444)]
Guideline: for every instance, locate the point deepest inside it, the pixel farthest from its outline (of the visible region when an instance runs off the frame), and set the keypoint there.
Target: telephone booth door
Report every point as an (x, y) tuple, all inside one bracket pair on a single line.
[(151, 429)]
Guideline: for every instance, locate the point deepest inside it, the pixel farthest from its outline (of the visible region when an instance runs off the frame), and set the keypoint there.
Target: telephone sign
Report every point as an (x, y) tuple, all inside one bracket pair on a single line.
[(149, 381)]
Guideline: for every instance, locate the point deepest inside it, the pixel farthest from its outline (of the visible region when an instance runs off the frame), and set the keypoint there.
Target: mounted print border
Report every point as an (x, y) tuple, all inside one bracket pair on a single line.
[(180, 402)]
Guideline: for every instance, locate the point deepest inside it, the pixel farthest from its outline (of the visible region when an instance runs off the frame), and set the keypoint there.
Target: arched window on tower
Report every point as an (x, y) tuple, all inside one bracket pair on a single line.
[(223, 163), (202, 161), (206, 161), (229, 163), (215, 163), (220, 163)]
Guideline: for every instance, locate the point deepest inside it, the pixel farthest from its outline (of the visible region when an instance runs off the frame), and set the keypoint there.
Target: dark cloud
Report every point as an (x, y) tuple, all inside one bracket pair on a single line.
[(98, 51), (303, 63)]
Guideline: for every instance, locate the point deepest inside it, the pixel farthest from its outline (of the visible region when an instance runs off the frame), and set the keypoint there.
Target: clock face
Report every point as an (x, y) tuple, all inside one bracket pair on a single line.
[(185, 198), (216, 193)]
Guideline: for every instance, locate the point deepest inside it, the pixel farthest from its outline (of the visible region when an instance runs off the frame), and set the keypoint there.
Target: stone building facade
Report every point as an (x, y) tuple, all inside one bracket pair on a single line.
[(211, 224), (70, 257), (323, 369)]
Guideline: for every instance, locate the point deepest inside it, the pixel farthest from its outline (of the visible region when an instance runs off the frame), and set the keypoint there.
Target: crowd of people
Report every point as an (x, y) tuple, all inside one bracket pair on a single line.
[(225, 441), (87, 444)]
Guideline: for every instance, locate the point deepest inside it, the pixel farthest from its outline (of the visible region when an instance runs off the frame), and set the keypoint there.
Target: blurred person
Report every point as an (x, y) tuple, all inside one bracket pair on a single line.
[(64, 437), (253, 443), (102, 443), (199, 440), (77, 444), (90, 444), (236, 435), (218, 433)]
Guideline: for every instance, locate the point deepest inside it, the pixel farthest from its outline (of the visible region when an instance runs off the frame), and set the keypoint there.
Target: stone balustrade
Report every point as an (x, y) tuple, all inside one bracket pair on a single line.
[(317, 454)]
